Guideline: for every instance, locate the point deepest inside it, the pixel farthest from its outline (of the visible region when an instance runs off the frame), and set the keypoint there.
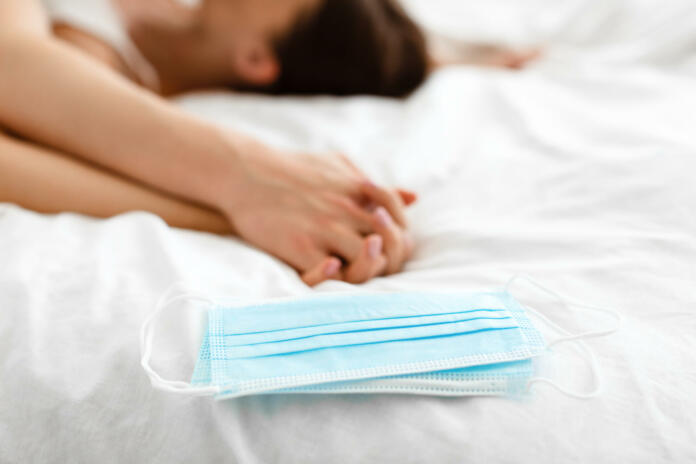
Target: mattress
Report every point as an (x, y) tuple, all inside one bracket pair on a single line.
[(578, 170)]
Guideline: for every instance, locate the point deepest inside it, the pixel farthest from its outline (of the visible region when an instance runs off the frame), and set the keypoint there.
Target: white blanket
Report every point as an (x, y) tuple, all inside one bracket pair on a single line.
[(579, 171)]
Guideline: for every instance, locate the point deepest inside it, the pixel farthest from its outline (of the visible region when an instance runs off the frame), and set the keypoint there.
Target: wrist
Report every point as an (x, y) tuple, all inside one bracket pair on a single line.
[(230, 184), (247, 162), (220, 169)]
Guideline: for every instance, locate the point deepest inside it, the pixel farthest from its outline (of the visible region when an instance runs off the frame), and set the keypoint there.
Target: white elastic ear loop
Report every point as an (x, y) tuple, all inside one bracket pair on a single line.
[(567, 336), (146, 338)]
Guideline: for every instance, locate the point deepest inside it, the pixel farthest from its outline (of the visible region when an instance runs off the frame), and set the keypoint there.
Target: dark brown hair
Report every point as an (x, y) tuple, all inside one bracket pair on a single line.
[(349, 47)]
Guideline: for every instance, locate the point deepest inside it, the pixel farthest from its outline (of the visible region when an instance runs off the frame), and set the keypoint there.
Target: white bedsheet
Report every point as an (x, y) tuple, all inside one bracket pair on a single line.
[(579, 171)]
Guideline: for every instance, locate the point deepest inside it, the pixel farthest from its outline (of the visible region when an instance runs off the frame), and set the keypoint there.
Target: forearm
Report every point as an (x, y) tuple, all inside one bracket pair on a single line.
[(48, 182), (52, 94)]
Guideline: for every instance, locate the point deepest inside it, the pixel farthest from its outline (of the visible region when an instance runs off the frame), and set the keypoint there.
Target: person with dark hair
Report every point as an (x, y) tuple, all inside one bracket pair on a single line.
[(334, 47), (353, 47), (83, 127)]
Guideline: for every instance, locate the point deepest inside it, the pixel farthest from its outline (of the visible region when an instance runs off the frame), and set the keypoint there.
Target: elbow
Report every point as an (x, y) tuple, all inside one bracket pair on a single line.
[(17, 50), (13, 42), (20, 35), (29, 23)]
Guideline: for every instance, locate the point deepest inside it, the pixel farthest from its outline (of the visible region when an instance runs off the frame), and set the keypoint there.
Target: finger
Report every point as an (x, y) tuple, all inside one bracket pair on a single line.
[(306, 251), (347, 161), (530, 54), (388, 199), (328, 268), (518, 59), (369, 263), (409, 245), (342, 241), (394, 247), (347, 210), (407, 196)]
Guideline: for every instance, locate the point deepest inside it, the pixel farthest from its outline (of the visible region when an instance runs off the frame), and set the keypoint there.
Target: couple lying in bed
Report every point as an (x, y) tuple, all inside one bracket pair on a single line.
[(85, 125)]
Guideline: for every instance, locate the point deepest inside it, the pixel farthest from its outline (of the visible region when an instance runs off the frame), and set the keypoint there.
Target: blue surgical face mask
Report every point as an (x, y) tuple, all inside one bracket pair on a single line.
[(442, 343)]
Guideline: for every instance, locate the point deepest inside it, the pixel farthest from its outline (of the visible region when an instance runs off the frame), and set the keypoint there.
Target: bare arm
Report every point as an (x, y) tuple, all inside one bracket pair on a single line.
[(54, 95), (304, 210), (60, 183), (448, 51)]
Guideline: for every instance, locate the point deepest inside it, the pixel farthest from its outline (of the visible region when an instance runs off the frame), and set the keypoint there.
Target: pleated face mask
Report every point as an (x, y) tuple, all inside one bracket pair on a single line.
[(440, 343)]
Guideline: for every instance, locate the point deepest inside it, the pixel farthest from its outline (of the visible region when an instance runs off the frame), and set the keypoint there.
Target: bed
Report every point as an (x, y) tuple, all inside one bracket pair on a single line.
[(578, 171)]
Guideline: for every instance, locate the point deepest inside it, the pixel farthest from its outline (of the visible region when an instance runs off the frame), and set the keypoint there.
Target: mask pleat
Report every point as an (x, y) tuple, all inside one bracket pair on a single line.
[(367, 336), (331, 309), (235, 339)]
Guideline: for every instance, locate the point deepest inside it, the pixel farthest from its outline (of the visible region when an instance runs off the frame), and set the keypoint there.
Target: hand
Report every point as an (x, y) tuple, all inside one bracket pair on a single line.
[(499, 57), (319, 214), (484, 55)]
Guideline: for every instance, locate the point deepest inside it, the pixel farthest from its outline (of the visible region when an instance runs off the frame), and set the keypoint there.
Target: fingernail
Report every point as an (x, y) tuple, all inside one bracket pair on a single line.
[(332, 267), (374, 246), (369, 184), (383, 216)]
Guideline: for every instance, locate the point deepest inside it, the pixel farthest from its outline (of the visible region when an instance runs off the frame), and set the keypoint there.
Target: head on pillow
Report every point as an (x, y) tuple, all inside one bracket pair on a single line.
[(336, 47)]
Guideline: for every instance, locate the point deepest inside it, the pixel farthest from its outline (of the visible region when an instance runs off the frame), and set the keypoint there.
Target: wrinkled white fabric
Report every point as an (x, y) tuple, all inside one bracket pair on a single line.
[(578, 171)]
